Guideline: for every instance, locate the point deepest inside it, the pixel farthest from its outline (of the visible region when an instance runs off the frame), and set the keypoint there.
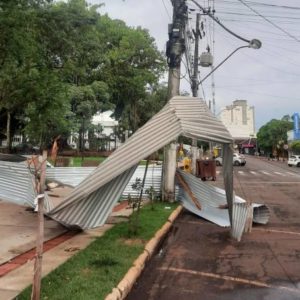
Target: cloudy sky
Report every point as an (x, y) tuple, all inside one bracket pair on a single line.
[(267, 78)]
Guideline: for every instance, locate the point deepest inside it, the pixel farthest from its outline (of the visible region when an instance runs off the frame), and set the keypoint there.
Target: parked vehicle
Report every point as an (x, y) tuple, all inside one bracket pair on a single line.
[(237, 160), (26, 148), (294, 160)]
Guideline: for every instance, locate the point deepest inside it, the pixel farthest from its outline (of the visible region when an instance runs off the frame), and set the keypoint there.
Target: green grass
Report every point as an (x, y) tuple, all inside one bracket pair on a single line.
[(94, 271), (77, 161)]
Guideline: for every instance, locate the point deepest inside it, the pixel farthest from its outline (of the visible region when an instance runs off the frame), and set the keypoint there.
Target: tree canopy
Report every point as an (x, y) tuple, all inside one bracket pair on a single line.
[(273, 135), (61, 62)]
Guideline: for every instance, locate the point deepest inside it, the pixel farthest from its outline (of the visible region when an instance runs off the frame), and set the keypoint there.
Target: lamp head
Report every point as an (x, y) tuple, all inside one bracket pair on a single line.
[(255, 44)]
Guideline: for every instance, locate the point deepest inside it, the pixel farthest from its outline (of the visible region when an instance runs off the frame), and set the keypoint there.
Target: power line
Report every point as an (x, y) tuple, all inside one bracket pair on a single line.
[(265, 4), (267, 20), (163, 1), (245, 14)]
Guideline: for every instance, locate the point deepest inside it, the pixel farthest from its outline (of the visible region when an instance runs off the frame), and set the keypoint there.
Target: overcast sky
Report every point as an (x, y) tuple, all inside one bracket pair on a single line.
[(267, 78)]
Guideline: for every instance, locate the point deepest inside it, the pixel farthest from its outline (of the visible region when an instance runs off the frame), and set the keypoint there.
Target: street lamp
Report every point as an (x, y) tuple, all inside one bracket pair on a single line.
[(254, 44)]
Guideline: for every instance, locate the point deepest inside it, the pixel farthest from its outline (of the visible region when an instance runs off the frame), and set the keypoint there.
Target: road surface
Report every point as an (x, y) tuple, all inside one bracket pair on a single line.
[(199, 260)]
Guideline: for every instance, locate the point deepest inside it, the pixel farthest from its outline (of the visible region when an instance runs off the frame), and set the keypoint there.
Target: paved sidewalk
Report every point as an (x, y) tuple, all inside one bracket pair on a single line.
[(17, 236)]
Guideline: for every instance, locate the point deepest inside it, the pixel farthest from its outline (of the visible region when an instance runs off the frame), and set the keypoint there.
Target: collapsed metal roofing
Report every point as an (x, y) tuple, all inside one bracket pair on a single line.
[(73, 176), (212, 201), (92, 200), (17, 184)]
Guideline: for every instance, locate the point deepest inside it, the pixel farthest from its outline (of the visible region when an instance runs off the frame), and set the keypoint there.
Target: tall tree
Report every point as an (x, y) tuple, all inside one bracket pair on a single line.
[(273, 135)]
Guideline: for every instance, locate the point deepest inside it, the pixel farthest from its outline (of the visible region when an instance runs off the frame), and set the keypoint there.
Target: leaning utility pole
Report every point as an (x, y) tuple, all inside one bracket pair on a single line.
[(175, 49)]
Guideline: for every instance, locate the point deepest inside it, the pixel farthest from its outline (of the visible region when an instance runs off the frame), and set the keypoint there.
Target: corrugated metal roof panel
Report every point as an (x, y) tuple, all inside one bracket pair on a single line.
[(17, 184), (75, 175), (261, 213), (209, 197), (239, 217), (69, 175), (212, 198), (94, 209), (153, 178), (159, 131)]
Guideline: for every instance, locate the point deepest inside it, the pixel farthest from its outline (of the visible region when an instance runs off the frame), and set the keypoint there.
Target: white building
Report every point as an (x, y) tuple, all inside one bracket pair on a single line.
[(107, 123), (239, 119), (107, 126)]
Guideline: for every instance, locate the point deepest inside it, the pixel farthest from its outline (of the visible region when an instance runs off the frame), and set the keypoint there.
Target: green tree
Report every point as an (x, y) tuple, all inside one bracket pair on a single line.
[(17, 55), (295, 147), (273, 135), (63, 61), (134, 63)]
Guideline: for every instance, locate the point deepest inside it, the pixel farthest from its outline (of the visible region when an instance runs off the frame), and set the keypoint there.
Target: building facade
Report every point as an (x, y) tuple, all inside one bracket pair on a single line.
[(239, 119)]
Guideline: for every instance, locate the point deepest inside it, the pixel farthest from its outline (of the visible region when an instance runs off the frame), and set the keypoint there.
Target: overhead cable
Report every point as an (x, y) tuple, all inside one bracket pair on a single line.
[(267, 20)]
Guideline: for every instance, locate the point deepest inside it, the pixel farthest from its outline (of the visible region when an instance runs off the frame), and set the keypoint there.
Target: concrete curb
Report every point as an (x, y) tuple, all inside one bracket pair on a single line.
[(126, 284)]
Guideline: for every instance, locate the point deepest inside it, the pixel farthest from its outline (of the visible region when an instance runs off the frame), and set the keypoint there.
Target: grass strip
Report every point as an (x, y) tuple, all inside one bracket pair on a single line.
[(95, 270), (77, 161)]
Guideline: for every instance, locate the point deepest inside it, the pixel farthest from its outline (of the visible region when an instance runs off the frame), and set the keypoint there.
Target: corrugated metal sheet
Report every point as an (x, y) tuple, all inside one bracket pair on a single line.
[(17, 185), (261, 213), (181, 116), (73, 176), (91, 212), (209, 197), (153, 178), (212, 199), (239, 217)]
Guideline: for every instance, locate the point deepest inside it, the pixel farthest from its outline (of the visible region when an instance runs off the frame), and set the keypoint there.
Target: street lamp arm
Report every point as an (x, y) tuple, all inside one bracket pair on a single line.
[(220, 64), (216, 20)]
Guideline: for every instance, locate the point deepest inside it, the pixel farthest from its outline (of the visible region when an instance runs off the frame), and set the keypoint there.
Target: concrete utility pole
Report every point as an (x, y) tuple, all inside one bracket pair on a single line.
[(196, 57), (195, 86), (175, 49)]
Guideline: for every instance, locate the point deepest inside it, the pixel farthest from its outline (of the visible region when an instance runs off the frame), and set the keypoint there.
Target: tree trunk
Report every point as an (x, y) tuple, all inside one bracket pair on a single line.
[(8, 132)]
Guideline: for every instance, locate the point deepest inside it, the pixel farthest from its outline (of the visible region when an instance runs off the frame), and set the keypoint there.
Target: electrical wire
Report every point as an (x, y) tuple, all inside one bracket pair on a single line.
[(164, 4), (267, 20), (264, 4)]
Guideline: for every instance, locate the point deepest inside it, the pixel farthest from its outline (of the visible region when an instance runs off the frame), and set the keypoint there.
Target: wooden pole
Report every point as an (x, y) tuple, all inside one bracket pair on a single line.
[(36, 287)]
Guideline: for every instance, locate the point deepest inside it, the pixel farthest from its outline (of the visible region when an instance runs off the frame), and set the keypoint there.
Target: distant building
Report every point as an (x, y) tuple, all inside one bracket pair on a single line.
[(107, 123), (107, 127), (239, 119), (294, 134)]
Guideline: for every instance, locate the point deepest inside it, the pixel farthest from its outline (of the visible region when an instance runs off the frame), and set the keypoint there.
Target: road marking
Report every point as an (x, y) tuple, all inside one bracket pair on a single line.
[(254, 173), (293, 174), (276, 231), (266, 173), (278, 173), (241, 172), (290, 173), (272, 182), (230, 278)]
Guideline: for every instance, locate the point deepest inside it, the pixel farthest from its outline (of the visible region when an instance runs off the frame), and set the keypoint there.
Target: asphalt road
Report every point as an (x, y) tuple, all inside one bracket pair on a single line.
[(199, 260)]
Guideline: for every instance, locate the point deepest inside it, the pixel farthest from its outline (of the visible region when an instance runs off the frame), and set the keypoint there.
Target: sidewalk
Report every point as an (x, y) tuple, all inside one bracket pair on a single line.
[(17, 236)]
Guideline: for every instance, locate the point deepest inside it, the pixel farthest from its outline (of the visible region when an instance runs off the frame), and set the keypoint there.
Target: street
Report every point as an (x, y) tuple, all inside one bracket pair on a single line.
[(199, 260)]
